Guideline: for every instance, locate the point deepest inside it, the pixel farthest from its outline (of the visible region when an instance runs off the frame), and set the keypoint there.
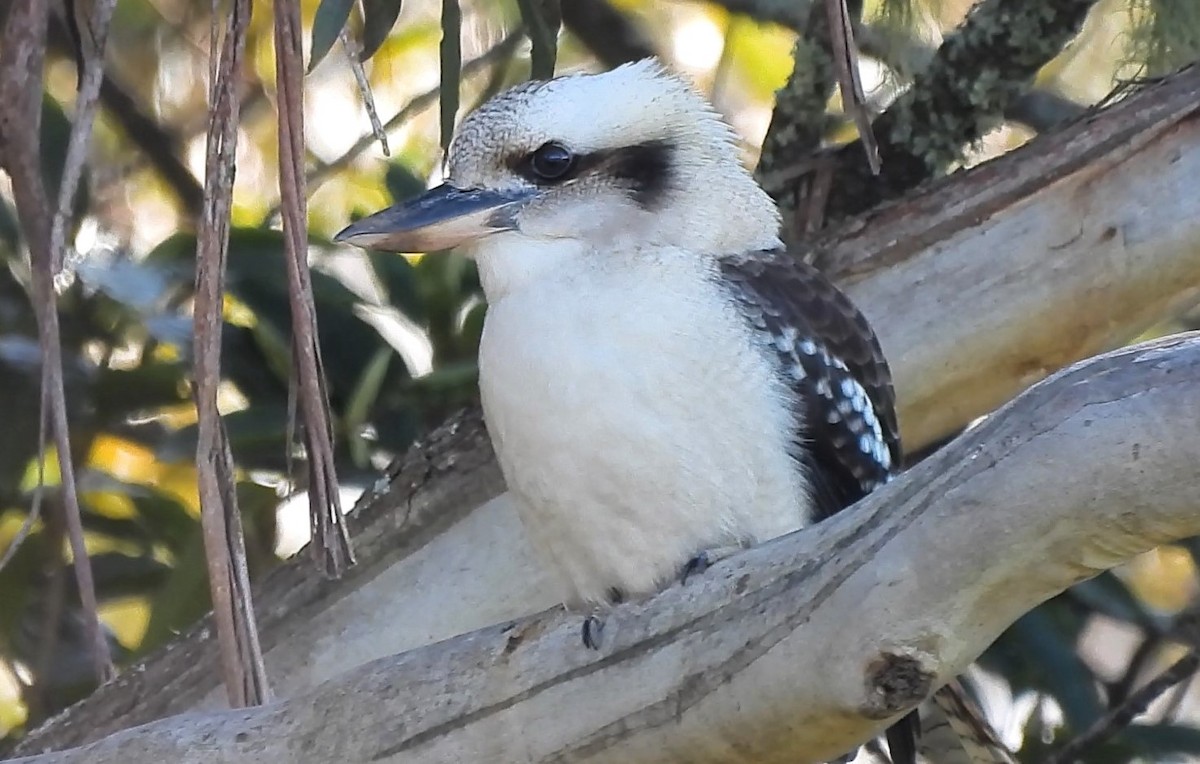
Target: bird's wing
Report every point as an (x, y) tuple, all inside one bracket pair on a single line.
[(830, 356)]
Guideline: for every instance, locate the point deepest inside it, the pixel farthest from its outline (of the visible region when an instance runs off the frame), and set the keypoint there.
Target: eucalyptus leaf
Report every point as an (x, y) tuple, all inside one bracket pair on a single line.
[(450, 56), (121, 393), (402, 183), (10, 232), (257, 436), (1108, 595), (379, 16), (399, 279), (121, 575), (327, 25), (1053, 666)]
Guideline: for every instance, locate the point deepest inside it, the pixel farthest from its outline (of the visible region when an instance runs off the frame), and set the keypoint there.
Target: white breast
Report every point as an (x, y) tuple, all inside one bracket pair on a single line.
[(636, 421)]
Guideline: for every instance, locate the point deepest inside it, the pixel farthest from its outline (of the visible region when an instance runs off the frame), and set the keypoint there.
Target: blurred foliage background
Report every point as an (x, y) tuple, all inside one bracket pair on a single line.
[(399, 334)]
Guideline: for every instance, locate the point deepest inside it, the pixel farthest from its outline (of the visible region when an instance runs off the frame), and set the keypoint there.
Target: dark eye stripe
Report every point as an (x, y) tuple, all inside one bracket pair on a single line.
[(644, 168)]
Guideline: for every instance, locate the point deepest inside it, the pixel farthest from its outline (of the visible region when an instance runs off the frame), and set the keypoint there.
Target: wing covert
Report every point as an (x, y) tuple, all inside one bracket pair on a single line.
[(846, 425)]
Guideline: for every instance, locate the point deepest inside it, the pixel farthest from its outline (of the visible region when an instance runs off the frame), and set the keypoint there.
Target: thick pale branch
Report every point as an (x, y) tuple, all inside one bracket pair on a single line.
[(979, 285), (1077, 242), (793, 651)]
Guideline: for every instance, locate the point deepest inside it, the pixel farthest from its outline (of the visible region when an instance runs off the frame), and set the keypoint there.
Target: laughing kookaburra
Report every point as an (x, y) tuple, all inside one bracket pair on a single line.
[(660, 379)]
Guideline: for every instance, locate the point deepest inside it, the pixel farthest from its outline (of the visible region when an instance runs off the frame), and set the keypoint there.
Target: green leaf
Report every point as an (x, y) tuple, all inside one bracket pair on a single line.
[(327, 25), (450, 54), (161, 518), (55, 135), (1108, 595), (543, 38), (170, 522), (363, 399), (399, 280), (257, 277), (1152, 742), (183, 596), (257, 436), (176, 249), (450, 377), (379, 16), (1052, 665), (10, 233), (402, 183), (121, 575)]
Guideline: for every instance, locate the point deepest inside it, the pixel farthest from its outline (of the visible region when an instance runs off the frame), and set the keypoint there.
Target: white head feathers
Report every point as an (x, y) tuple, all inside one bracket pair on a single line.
[(651, 155)]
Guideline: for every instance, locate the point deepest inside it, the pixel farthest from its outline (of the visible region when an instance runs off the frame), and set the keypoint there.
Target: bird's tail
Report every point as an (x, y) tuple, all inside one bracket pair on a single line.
[(955, 731), (950, 728)]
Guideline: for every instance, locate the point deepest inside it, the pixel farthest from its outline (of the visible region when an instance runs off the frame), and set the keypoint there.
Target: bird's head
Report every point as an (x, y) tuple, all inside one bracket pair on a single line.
[(631, 155)]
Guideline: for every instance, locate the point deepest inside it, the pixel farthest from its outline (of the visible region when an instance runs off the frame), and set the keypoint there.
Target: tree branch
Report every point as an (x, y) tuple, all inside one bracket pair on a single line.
[(976, 75), (995, 241), (792, 648), (799, 121), (21, 59)]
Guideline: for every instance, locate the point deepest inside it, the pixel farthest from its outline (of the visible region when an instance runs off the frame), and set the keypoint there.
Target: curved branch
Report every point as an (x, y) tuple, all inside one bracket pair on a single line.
[(810, 643), (1027, 263)]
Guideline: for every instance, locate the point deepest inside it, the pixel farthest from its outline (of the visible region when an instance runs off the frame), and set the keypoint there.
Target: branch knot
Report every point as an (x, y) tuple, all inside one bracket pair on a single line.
[(895, 683)]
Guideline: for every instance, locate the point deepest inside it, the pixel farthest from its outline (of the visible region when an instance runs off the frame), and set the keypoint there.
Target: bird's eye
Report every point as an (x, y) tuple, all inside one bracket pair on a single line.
[(552, 161)]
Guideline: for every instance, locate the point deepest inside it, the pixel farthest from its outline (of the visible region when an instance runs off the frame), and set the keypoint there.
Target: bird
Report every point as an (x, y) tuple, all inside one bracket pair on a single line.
[(662, 381)]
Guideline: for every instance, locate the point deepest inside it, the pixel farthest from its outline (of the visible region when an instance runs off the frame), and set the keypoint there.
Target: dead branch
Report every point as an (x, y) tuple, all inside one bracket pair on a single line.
[(795, 650), (225, 552), (20, 117)]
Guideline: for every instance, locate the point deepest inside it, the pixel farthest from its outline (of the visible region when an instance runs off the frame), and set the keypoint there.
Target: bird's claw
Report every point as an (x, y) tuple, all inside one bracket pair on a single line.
[(593, 632), (695, 566), (704, 560)]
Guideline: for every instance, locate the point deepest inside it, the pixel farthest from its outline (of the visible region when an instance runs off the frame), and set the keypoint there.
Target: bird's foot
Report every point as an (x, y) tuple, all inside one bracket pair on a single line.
[(593, 625), (593, 631), (705, 560)]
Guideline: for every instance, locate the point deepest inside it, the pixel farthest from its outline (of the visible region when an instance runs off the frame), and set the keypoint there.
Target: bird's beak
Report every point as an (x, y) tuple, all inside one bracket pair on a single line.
[(440, 218)]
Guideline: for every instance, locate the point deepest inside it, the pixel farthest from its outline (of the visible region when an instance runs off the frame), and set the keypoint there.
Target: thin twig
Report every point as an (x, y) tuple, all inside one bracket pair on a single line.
[(353, 51), (159, 145), (21, 59), (974, 78), (331, 544), (241, 656), (323, 171), (1124, 705), (81, 133), (845, 65), (1121, 715), (1118, 691), (799, 121)]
